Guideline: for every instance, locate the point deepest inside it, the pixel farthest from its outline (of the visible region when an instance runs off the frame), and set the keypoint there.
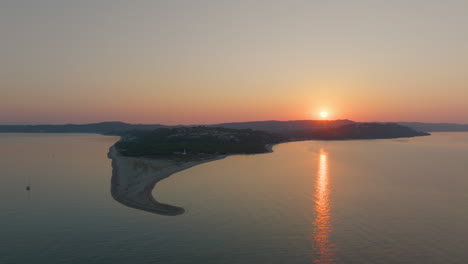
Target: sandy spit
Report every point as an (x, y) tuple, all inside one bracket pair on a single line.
[(133, 179)]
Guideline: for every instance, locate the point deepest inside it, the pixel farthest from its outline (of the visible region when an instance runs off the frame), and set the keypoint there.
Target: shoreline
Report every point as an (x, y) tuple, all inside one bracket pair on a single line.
[(133, 180)]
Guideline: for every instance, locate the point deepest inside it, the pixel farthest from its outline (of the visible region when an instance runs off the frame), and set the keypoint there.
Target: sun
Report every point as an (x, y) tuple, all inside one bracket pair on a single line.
[(324, 114)]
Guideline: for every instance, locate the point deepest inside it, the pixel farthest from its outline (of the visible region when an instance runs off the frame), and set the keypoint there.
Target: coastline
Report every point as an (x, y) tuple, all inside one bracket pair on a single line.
[(133, 180)]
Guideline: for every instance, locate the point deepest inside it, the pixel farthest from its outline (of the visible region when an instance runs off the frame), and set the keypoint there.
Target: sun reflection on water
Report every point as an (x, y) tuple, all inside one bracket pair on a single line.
[(322, 246)]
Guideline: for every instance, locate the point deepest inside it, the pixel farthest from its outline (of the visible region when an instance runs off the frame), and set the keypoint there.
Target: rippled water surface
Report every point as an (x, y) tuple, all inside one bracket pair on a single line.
[(376, 201)]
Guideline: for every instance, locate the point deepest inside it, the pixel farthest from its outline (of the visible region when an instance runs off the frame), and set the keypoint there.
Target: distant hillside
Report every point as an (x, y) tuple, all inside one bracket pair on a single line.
[(285, 126), (328, 129), (117, 128), (297, 128), (436, 127), (100, 128), (363, 131)]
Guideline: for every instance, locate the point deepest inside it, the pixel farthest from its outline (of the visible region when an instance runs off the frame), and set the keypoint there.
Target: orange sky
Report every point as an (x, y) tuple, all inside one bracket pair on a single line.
[(195, 62)]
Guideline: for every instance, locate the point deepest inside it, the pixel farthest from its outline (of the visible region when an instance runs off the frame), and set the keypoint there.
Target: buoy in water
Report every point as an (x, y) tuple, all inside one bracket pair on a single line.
[(28, 188)]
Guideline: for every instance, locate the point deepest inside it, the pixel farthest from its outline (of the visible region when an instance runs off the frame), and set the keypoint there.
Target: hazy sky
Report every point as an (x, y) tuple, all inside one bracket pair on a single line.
[(223, 60)]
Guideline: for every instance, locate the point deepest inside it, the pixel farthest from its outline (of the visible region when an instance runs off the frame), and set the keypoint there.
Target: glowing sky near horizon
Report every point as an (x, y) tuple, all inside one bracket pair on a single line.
[(188, 62)]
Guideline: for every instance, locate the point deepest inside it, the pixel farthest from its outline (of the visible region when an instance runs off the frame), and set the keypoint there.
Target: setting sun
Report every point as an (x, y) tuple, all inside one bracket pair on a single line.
[(323, 114)]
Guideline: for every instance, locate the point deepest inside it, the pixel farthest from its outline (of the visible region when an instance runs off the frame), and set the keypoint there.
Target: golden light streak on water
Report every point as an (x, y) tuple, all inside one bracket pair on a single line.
[(322, 228)]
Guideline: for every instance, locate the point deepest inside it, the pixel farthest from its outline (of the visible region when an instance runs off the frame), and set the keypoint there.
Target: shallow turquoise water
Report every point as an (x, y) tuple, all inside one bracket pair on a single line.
[(377, 201)]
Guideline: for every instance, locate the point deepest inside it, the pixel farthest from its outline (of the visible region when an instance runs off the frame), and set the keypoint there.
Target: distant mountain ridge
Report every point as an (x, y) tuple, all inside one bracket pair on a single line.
[(271, 126), (436, 127), (101, 128), (121, 127), (293, 130), (365, 131), (285, 126)]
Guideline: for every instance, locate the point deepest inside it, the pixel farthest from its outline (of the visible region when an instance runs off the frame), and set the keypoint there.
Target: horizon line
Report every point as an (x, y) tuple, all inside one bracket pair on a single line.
[(252, 121)]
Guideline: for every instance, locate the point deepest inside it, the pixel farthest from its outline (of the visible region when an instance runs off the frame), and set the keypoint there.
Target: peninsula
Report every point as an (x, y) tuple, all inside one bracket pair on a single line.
[(142, 158)]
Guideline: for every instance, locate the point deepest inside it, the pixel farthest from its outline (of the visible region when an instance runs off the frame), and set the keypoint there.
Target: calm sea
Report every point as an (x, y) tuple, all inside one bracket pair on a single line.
[(375, 201)]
